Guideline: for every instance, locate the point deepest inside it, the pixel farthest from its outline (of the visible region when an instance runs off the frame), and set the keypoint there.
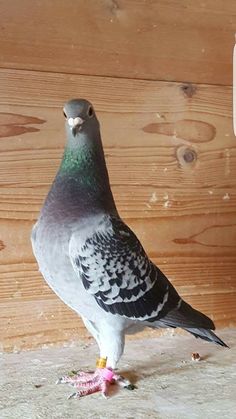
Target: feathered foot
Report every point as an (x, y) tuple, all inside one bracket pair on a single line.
[(92, 382)]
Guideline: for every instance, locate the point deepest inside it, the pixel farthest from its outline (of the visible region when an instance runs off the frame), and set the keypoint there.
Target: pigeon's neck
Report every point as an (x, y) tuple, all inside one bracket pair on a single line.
[(81, 187), (85, 167), (76, 161)]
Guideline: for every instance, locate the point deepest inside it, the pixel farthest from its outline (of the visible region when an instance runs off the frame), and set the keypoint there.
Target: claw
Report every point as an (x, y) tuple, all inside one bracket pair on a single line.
[(123, 382), (73, 395), (130, 387), (59, 381), (62, 380)]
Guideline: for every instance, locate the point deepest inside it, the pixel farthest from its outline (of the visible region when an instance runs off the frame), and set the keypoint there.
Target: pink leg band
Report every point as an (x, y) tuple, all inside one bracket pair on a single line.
[(107, 374)]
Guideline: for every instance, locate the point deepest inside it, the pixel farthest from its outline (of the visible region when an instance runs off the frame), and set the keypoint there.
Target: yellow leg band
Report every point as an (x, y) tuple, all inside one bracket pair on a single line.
[(101, 363)]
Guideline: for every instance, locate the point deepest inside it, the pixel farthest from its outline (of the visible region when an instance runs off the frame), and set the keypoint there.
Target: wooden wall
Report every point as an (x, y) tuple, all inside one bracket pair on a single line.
[(159, 75)]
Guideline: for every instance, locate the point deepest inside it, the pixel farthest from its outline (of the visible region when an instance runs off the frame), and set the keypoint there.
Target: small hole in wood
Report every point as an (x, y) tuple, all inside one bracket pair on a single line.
[(188, 89)]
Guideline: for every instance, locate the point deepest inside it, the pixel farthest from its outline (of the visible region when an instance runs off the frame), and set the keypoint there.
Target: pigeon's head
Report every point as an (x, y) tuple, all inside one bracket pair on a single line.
[(80, 117)]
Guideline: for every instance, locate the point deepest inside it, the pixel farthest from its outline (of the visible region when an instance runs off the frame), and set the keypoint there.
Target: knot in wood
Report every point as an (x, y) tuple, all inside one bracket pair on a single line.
[(186, 156), (189, 155)]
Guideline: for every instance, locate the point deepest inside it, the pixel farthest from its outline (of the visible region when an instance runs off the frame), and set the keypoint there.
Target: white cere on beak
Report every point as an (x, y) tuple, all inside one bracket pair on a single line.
[(73, 122)]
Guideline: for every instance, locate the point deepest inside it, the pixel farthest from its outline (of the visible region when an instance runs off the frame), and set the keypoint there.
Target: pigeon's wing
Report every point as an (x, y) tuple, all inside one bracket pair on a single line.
[(115, 269)]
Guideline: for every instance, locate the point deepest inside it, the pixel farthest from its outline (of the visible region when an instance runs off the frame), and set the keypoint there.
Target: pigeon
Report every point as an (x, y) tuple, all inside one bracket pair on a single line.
[(95, 263)]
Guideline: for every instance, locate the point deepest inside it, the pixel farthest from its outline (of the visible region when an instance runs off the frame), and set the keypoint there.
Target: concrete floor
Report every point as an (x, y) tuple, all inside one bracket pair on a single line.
[(170, 384)]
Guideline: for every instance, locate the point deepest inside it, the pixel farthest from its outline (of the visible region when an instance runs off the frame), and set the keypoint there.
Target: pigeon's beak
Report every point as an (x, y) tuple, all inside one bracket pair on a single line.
[(75, 123)]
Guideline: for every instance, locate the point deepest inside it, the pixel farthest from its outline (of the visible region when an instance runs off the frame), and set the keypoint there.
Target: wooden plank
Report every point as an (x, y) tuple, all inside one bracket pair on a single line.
[(159, 40), (172, 164)]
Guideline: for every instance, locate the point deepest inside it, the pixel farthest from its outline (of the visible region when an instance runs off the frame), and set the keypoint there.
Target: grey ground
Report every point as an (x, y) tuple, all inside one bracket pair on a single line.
[(170, 384)]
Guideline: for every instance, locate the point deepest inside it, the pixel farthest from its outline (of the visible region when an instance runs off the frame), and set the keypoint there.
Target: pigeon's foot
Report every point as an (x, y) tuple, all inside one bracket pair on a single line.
[(93, 382)]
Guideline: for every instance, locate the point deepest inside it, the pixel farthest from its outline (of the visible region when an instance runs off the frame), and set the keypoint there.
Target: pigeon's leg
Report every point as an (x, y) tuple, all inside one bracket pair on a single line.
[(111, 344), (90, 382), (82, 378)]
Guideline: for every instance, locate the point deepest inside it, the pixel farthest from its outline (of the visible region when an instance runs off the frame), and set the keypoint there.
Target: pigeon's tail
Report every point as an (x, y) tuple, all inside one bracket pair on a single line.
[(206, 334), (191, 320)]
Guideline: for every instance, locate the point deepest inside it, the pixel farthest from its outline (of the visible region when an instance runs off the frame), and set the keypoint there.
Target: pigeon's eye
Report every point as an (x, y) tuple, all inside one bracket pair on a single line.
[(90, 111), (64, 114)]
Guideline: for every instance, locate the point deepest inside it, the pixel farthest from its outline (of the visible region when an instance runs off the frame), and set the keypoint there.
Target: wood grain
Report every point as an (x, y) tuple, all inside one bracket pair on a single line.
[(172, 164), (181, 40)]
